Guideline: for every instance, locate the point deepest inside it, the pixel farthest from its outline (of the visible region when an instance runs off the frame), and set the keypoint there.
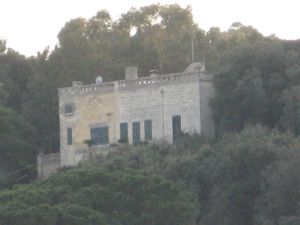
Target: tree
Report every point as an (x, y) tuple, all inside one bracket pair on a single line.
[(290, 119), (249, 85), (40, 104), (94, 195), (17, 149), (279, 201), (3, 95), (15, 72), (2, 46), (229, 175)]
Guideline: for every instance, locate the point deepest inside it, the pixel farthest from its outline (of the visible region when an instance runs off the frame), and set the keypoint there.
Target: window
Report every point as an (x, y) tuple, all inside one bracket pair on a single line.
[(124, 133), (136, 133), (148, 129), (176, 125), (69, 108), (69, 136), (99, 136)]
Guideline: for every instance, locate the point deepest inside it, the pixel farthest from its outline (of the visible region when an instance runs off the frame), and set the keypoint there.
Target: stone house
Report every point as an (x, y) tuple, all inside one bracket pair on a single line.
[(133, 110)]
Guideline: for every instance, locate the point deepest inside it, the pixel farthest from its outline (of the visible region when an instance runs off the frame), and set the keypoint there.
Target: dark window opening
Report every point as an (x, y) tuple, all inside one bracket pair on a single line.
[(99, 136), (69, 109), (148, 130), (176, 126), (123, 133), (69, 136), (136, 133)]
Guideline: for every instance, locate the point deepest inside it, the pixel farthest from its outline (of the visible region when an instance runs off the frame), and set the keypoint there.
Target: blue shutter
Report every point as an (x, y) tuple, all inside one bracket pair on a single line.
[(124, 133), (69, 136), (99, 136), (148, 129), (136, 133), (176, 123)]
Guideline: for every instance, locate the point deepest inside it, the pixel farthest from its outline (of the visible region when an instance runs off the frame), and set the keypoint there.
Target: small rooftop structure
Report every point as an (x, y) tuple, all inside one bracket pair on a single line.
[(195, 67)]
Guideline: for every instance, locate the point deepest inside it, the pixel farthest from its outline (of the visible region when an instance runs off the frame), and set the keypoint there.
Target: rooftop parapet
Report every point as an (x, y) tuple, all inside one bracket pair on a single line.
[(195, 71), (164, 79), (137, 83), (131, 73), (195, 67), (84, 89), (76, 83)]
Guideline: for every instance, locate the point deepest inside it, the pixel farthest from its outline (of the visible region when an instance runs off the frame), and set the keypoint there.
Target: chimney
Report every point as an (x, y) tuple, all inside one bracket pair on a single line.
[(153, 73), (131, 73), (76, 83), (202, 66)]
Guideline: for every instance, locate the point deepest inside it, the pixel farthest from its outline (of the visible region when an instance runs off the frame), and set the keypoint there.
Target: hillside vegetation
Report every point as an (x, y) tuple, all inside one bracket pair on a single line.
[(251, 178)]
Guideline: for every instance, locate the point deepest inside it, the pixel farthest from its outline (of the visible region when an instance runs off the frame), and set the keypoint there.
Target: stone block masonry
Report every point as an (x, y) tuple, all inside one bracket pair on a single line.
[(47, 164)]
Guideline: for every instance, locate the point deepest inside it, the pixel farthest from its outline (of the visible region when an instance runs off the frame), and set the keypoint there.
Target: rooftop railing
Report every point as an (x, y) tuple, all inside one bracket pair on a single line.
[(140, 82)]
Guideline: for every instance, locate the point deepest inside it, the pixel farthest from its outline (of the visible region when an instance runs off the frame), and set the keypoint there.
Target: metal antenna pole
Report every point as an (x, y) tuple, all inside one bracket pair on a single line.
[(163, 112), (192, 42)]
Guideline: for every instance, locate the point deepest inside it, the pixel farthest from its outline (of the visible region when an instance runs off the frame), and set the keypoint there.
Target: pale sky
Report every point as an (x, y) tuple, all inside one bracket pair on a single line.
[(30, 26)]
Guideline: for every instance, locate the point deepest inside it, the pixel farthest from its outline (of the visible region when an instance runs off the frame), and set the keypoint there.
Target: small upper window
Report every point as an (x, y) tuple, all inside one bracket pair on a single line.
[(69, 109)]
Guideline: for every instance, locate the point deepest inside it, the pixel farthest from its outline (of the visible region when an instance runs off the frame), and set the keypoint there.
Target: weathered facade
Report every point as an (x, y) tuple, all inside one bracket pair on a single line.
[(134, 110)]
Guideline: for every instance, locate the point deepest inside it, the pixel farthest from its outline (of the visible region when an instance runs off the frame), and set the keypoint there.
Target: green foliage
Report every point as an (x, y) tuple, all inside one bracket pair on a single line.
[(3, 95), (17, 150), (88, 142), (40, 105), (291, 109), (255, 85), (280, 199), (98, 196), (232, 174), (2, 46)]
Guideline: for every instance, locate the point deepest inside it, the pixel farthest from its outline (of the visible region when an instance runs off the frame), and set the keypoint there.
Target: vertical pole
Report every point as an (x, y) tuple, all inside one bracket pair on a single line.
[(163, 112), (192, 43)]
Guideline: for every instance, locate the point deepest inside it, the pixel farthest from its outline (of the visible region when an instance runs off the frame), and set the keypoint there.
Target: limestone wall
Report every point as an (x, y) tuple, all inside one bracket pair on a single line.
[(47, 165), (95, 106)]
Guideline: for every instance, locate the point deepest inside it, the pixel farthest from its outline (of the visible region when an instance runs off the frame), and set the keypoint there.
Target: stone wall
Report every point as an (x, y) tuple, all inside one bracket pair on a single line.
[(47, 164), (50, 163), (94, 107)]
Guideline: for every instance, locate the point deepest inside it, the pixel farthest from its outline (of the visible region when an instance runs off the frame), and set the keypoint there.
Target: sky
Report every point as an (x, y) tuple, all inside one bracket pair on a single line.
[(29, 26)]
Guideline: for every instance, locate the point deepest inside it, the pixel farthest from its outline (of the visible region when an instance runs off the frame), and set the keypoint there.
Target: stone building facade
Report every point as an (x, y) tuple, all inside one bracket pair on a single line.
[(133, 110)]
